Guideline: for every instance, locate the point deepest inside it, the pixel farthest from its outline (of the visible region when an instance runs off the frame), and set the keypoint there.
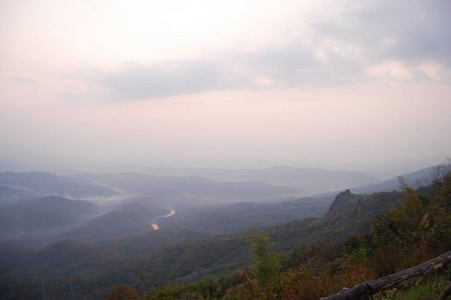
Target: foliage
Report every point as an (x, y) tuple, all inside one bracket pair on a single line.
[(415, 230), (267, 264), (122, 293), (248, 290)]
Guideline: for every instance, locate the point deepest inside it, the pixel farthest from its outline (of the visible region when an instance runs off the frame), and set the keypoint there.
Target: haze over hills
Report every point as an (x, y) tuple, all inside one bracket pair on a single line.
[(44, 217), (28, 215), (131, 218), (194, 218), (46, 184), (420, 177), (246, 184), (311, 180), (182, 188)]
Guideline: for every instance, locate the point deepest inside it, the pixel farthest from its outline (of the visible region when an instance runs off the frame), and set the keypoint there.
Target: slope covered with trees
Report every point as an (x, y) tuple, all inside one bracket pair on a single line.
[(192, 260), (306, 258), (416, 229)]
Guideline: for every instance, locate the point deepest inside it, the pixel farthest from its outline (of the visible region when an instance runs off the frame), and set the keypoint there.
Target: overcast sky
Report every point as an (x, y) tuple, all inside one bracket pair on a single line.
[(223, 83)]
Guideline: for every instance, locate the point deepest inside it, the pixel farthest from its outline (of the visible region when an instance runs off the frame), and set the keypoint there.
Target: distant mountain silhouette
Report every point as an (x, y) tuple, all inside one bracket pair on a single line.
[(311, 181), (418, 177), (47, 184), (194, 187)]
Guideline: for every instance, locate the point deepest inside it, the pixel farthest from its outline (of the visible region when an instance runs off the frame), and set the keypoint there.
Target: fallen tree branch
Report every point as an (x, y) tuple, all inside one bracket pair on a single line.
[(390, 281)]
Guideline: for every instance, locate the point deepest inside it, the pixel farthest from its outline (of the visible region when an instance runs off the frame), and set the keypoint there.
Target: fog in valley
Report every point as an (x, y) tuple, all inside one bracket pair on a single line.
[(44, 207)]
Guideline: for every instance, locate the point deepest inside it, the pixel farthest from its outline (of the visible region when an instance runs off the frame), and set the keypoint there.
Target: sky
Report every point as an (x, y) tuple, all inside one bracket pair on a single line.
[(223, 83)]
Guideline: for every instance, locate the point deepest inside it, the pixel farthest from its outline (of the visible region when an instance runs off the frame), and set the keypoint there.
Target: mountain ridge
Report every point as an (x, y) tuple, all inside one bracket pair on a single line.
[(306, 178), (48, 184)]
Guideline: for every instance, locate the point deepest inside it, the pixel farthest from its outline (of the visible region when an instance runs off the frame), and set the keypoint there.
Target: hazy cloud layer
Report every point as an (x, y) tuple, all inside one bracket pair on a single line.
[(381, 40), (135, 81), (409, 32), (177, 82), (273, 67)]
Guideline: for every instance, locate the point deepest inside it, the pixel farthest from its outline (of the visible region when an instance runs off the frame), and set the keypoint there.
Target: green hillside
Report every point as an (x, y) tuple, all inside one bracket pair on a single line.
[(190, 260), (185, 259)]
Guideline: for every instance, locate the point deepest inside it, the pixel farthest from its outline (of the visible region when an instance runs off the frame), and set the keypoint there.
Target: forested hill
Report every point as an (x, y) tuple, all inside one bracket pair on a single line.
[(185, 261), (348, 214)]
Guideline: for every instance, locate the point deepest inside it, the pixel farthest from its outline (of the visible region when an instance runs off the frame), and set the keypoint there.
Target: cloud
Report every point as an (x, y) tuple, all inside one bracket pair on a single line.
[(268, 67), (367, 41), (389, 40), (391, 69), (387, 29), (288, 65), (427, 34), (165, 79)]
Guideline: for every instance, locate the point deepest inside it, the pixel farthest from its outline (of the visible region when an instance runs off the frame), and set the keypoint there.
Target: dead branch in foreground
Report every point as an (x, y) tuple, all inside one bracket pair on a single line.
[(390, 281)]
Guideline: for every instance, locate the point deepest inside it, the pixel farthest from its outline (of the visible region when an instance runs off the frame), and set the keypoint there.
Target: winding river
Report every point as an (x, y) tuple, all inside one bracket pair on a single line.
[(155, 226)]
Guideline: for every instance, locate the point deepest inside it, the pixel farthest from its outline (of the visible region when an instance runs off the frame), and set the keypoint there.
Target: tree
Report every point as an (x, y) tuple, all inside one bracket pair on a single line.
[(267, 264), (416, 229)]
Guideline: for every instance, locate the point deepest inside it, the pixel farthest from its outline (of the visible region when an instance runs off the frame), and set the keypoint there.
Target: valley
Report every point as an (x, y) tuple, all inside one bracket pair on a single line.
[(176, 229)]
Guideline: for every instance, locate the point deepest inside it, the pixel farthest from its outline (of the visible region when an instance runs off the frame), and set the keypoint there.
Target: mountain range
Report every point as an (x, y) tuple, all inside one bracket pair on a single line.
[(310, 180), (187, 250), (200, 230)]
